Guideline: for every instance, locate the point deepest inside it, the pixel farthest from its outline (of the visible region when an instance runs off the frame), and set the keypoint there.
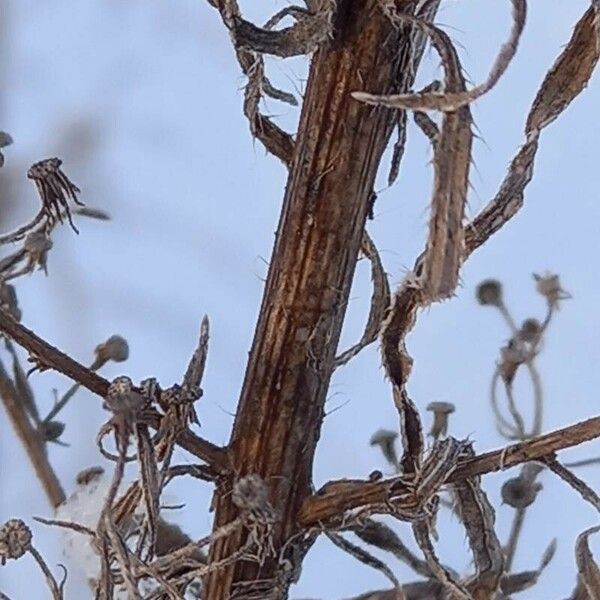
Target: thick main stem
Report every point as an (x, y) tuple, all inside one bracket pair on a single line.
[(338, 150)]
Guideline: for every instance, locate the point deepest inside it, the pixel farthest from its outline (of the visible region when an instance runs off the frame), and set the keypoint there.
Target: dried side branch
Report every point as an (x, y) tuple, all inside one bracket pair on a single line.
[(451, 99), (276, 140), (452, 159), (309, 31), (582, 488), (564, 81), (53, 358), (339, 496), (398, 364)]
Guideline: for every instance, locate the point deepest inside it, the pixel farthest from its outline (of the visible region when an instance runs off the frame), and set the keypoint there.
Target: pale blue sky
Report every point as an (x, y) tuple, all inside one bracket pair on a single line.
[(195, 204)]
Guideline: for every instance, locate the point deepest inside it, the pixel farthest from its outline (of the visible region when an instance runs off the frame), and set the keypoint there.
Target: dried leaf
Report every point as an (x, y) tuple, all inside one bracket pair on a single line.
[(586, 565)]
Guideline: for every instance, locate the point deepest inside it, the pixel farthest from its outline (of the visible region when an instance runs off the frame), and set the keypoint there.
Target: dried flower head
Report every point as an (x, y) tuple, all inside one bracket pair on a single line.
[(122, 396), (385, 439), (441, 411), (520, 492), (55, 190), (114, 348), (531, 330), (50, 431), (489, 293), (15, 540), (37, 245), (548, 285)]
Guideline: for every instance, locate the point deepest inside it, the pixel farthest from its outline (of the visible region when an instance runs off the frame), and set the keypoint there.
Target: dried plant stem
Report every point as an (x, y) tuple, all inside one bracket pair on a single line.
[(31, 440), (339, 496), (513, 538), (55, 589)]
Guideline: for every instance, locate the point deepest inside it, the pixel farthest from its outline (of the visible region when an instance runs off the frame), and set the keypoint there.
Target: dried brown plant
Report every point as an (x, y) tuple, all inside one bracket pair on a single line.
[(364, 58)]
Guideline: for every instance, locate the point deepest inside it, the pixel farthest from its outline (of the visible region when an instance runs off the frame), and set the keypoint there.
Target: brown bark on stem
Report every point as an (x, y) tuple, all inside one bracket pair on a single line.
[(339, 146)]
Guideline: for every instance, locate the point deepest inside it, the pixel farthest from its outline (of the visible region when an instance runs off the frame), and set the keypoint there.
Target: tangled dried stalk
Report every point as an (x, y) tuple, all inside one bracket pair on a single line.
[(266, 522)]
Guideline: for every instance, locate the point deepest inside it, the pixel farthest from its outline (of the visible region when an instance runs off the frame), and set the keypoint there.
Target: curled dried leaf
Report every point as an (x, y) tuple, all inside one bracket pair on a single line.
[(589, 572)]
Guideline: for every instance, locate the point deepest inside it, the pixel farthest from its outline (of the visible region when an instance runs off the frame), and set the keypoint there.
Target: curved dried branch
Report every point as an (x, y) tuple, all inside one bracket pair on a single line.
[(564, 81), (589, 572), (383, 537), (380, 301), (452, 160), (451, 99), (398, 364), (478, 517), (455, 589), (276, 140), (310, 30)]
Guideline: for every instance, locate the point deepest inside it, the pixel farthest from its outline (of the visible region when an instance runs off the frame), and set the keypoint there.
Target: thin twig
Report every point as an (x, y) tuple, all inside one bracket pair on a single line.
[(31, 440), (584, 490)]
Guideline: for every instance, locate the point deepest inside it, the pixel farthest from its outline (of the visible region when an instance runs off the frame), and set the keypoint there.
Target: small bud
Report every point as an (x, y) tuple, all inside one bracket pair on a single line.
[(15, 540), (5, 139), (548, 285), (441, 411), (114, 348), (385, 440), (37, 245), (489, 293), (512, 356), (375, 475), (520, 492), (51, 430), (531, 330)]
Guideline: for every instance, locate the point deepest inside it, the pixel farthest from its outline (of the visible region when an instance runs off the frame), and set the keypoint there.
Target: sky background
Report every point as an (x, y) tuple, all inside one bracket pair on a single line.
[(142, 100)]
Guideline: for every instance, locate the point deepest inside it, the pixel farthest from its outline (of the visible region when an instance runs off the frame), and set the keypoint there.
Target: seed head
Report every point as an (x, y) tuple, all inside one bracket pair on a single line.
[(548, 285), (15, 540), (384, 438), (520, 492), (489, 293), (114, 348), (51, 430), (530, 331), (441, 412)]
